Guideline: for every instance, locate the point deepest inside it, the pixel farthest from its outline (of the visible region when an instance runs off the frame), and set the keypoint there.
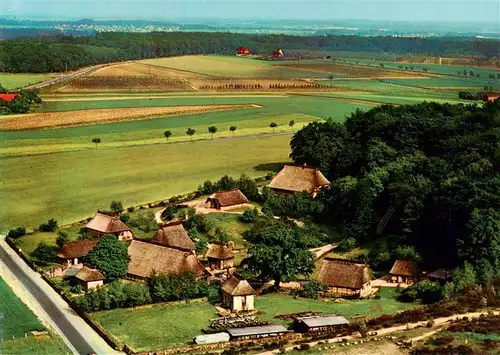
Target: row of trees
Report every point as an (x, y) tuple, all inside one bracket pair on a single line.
[(60, 53), (425, 175), (232, 87), (295, 86)]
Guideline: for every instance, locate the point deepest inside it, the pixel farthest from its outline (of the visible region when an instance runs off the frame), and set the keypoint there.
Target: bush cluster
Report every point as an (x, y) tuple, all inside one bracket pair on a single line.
[(17, 233), (249, 215), (311, 290), (49, 226), (295, 206)]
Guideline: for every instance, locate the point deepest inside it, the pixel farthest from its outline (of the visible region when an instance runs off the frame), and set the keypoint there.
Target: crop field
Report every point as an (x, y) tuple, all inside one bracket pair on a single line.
[(354, 71), (92, 84), (13, 81), (71, 186), (232, 67), (140, 69), (17, 319), (82, 117), (457, 83)]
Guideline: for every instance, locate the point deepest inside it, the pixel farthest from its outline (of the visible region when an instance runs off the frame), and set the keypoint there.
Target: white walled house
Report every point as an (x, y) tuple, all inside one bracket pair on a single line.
[(238, 295)]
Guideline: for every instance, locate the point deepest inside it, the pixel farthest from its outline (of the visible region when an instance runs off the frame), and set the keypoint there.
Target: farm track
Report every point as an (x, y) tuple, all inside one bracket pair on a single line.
[(96, 116)]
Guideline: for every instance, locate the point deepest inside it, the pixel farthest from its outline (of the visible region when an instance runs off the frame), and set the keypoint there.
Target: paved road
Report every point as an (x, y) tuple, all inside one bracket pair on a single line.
[(71, 327), (64, 78)]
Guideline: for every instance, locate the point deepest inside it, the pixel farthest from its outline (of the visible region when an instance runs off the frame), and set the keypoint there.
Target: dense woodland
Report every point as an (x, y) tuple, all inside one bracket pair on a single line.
[(58, 53), (425, 176)]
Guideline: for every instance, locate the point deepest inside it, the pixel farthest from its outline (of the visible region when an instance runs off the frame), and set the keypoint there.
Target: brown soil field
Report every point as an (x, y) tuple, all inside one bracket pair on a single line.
[(126, 84), (139, 69), (84, 117), (351, 70)]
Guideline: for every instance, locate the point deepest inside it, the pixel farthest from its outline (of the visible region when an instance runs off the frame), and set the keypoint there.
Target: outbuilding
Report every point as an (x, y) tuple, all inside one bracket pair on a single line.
[(261, 331), (294, 179), (238, 295), (73, 252), (220, 256), (224, 200), (88, 277), (243, 52), (404, 271), (319, 323), (108, 223), (440, 275), (491, 97), (9, 97), (174, 235)]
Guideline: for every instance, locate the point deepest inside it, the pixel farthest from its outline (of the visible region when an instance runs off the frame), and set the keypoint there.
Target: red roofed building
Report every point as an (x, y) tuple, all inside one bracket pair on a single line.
[(491, 97), (8, 97), (278, 53), (243, 52)]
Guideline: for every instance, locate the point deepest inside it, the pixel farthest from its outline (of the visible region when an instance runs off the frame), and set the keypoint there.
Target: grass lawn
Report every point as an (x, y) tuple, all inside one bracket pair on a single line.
[(71, 186), (158, 327), (14, 81), (445, 82), (46, 345), (274, 304), (231, 225)]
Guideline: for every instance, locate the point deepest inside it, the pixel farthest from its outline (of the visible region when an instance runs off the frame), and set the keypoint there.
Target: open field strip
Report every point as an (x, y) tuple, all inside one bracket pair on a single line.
[(71, 186), (125, 96), (395, 99), (82, 117), (231, 66), (14, 81), (438, 83), (141, 69)]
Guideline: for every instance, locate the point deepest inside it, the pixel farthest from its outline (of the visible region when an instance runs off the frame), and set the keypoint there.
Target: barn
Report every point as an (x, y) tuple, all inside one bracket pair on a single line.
[(224, 200), (8, 97), (243, 52), (278, 53), (490, 97)]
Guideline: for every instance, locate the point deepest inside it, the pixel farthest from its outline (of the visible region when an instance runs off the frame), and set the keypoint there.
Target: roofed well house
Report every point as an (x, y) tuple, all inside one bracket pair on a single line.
[(220, 256), (404, 271), (224, 200), (294, 179), (174, 235), (346, 278), (238, 295), (71, 253), (107, 223), (147, 258)]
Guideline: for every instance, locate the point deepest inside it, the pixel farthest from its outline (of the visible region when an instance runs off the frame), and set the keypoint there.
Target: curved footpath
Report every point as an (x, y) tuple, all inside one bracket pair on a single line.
[(48, 305)]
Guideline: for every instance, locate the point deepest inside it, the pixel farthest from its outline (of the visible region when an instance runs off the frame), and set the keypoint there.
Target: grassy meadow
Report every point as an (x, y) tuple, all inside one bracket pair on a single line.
[(13, 81)]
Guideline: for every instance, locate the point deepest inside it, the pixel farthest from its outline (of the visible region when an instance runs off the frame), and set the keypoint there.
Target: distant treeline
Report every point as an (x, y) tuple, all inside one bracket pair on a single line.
[(58, 53)]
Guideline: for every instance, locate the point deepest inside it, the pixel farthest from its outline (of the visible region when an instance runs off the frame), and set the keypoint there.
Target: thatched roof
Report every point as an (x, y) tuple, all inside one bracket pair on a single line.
[(175, 236), (343, 273), (219, 252), (441, 274), (229, 198), (146, 258), (404, 268), (77, 249), (299, 178), (87, 274), (236, 287), (106, 223)]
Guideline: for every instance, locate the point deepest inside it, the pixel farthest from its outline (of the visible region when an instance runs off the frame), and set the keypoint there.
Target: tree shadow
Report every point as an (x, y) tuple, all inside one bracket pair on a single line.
[(275, 167)]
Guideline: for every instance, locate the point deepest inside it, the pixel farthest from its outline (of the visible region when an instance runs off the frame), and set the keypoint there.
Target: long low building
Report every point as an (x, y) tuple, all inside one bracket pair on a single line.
[(260, 331), (319, 323)]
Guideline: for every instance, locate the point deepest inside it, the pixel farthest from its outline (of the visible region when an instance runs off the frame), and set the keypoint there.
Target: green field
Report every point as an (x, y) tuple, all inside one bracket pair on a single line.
[(232, 67), (444, 82), (71, 186), (274, 304), (16, 321), (158, 327), (183, 322), (14, 81)]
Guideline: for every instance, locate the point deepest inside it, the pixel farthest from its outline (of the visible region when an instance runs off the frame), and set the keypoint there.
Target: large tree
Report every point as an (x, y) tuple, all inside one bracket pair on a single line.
[(280, 251), (110, 256)]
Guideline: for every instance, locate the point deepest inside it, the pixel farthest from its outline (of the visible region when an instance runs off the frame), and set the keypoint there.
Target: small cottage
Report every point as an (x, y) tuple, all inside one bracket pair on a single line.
[(107, 223), (404, 271), (491, 97), (73, 252), (238, 295), (220, 256), (243, 52), (174, 235), (9, 97), (346, 278), (87, 277), (440, 275), (224, 200), (294, 179), (278, 53), (147, 258)]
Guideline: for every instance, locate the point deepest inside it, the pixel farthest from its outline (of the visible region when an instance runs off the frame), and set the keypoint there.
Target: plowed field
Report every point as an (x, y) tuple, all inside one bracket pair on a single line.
[(83, 117)]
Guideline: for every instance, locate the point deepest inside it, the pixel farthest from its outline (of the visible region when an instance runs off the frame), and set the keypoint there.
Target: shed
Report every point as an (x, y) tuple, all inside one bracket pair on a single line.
[(319, 323), (238, 295), (72, 252), (490, 97), (440, 275), (227, 199), (220, 256), (211, 338), (89, 278), (278, 53), (299, 178), (257, 332), (107, 223), (346, 278), (174, 235), (147, 258), (404, 271)]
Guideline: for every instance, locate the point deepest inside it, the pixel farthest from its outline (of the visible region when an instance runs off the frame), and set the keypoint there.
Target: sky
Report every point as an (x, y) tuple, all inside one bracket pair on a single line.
[(486, 11)]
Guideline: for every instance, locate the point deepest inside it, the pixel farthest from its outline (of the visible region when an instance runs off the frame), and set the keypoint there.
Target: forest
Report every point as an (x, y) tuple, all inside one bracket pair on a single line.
[(59, 53), (422, 178)]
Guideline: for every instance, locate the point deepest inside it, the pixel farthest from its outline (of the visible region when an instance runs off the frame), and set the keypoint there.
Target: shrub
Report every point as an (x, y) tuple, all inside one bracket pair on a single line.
[(116, 206), (17, 233), (77, 289), (427, 291), (125, 218), (50, 226), (62, 238), (131, 209), (346, 244), (312, 289), (249, 215), (44, 253), (296, 206)]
